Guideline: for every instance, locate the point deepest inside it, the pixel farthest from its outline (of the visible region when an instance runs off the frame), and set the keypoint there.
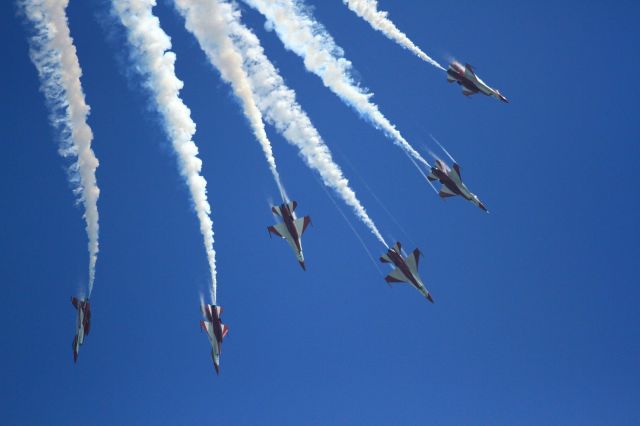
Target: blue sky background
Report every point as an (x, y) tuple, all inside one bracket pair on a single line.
[(536, 319)]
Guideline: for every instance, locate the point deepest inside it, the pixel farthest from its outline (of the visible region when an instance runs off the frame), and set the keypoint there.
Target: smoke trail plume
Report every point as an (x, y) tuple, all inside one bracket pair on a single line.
[(443, 148), (300, 33), (278, 104), (368, 10), (203, 19), (150, 50), (54, 55)]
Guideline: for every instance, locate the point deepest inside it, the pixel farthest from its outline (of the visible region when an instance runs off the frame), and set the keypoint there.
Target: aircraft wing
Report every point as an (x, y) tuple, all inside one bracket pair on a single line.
[(396, 276), (301, 224), (280, 230), (446, 192), (207, 326), (456, 170), (467, 92), (412, 261), (225, 330), (468, 70)]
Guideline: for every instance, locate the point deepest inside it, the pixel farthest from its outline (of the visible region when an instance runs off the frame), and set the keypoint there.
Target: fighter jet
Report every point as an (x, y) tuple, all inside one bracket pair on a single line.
[(216, 331), (83, 324), (406, 270), (470, 82), (452, 184), (291, 229)]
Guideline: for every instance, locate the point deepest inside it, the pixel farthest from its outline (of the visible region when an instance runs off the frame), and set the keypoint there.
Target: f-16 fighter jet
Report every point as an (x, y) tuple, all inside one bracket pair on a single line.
[(470, 82), (406, 270), (291, 229), (83, 323), (215, 331), (452, 184)]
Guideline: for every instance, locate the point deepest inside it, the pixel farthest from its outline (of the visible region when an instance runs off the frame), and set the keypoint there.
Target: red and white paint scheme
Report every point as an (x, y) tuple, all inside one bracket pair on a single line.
[(216, 331), (406, 269), (291, 228), (83, 323), (452, 184), (470, 82)]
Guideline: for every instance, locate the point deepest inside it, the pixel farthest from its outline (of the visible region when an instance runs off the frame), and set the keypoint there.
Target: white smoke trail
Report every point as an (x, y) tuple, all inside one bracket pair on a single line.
[(55, 57), (278, 103), (273, 98), (443, 148), (203, 19), (302, 34), (353, 229), (379, 20), (150, 50)]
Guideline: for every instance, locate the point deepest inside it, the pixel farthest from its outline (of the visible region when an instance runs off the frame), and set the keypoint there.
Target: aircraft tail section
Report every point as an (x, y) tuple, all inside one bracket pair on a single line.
[(385, 258), (277, 210)]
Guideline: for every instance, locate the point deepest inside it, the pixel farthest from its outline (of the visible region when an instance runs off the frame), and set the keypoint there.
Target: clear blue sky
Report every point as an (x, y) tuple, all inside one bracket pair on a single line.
[(536, 319)]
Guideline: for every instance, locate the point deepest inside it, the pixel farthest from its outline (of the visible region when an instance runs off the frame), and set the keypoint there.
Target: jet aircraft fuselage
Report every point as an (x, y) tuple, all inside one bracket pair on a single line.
[(83, 323), (451, 180), (291, 228), (470, 82), (216, 331), (406, 269)]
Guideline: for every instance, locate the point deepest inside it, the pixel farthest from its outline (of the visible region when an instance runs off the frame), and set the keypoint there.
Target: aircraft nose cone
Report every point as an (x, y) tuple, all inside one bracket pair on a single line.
[(302, 264), (429, 298)]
